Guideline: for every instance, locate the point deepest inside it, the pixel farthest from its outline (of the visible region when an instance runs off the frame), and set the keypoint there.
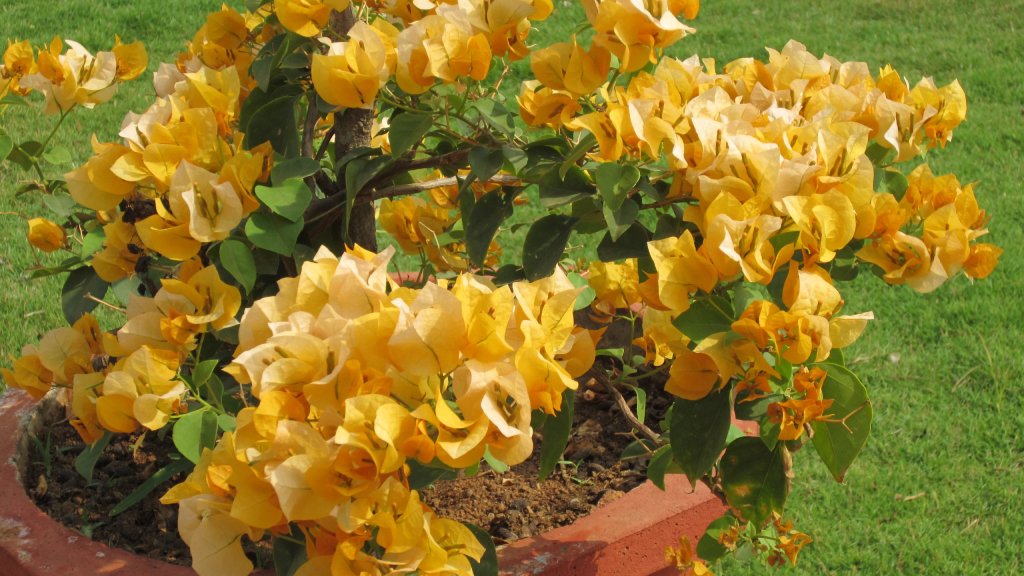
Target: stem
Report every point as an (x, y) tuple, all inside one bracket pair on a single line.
[(625, 409)]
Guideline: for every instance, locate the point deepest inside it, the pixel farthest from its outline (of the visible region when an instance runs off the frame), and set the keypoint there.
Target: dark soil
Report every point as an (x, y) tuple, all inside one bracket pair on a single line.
[(510, 506), (516, 504), (148, 528)]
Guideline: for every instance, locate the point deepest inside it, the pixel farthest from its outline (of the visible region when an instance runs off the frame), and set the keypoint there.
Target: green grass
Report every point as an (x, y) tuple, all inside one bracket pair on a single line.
[(940, 486)]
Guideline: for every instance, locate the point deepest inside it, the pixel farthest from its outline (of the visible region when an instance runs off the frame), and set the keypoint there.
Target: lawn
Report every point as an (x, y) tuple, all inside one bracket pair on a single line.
[(940, 486)]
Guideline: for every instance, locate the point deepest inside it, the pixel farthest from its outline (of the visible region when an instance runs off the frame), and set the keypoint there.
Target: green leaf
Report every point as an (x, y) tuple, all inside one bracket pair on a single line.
[(586, 296), (124, 289), (152, 483), (708, 547), (754, 478), (202, 372), (488, 564), (79, 283), (658, 466), (837, 444), (93, 242), (193, 432), (631, 244), (289, 553), (57, 155), (299, 167), (556, 435), (894, 182), (780, 240), (423, 475), (614, 181), (6, 146), (557, 189), (24, 154), (698, 430), (545, 244), (619, 220), (638, 448), (483, 222), (485, 162), (745, 294), (517, 159), (288, 199), (60, 204), (238, 260), (641, 403), (273, 232), (706, 316), (270, 117), (406, 130), (85, 462), (585, 145)]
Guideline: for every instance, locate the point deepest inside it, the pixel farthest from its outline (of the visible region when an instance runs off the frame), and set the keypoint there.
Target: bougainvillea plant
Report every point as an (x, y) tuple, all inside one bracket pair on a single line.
[(233, 230)]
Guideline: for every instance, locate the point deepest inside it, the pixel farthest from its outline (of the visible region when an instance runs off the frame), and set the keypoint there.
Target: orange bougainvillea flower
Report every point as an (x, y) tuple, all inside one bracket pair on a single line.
[(46, 235)]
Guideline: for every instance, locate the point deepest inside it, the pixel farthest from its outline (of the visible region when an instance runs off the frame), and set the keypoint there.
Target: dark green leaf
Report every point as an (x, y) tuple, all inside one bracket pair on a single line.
[(545, 244), (894, 182), (485, 162), (638, 448), (273, 232), (585, 145), (488, 564), (614, 182), (838, 443), (658, 466), (270, 117), (754, 478), (6, 145), (152, 483), (238, 260), (517, 159), (556, 435), (85, 462), (124, 289), (195, 431), (423, 475), (619, 220), (80, 283), (745, 294), (289, 554), (706, 316), (708, 547), (631, 244), (202, 372), (289, 199), (487, 215), (780, 240), (698, 430), (299, 167), (560, 189), (24, 154), (406, 130)]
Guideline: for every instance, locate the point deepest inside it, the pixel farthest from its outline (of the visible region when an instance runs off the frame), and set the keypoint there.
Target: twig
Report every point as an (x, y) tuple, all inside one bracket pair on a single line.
[(620, 400), (89, 296), (328, 137), (406, 189)]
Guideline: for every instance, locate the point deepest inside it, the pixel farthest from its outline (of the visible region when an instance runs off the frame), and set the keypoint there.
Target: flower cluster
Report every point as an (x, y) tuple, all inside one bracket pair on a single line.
[(69, 77), (354, 378)]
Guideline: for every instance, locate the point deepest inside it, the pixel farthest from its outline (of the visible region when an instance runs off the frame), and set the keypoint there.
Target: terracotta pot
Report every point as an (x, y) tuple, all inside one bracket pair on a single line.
[(625, 537)]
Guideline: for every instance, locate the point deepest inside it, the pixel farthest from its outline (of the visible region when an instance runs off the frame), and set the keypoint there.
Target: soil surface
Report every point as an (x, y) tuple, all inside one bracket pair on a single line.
[(148, 528), (510, 505)]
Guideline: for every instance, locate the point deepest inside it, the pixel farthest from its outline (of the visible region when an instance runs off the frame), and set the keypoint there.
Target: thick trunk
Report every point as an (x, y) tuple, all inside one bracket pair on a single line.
[(352, 130)]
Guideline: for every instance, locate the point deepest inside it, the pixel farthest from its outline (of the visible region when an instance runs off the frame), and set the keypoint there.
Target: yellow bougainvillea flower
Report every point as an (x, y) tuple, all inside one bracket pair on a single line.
[(218, 42), (441, 46), (29, 374), (214, 206), (351, 73), (546, 107), (74, 78), (95, 185), (945, 108), (567, 66), (19, 61), (121, 252), (617, 285), (827, 222), (792, 414), (213, 536), (905, 259), (681, 271), (635, 30), (140, 389), (307, 17), (46, 235), (131, 59), (693, 375)]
